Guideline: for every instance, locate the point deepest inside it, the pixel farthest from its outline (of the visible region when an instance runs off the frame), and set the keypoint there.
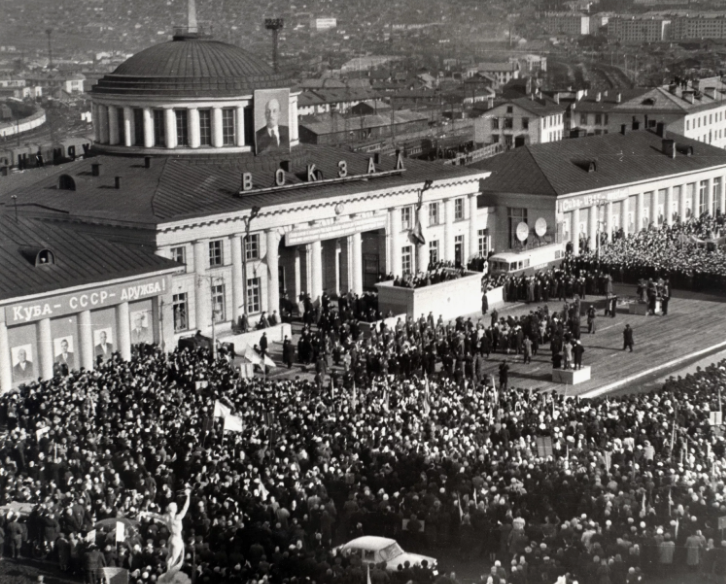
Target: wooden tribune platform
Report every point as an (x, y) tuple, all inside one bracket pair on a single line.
[(693, 324)]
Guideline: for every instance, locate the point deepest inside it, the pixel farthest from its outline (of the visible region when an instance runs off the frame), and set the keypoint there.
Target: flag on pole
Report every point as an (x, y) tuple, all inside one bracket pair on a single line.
[(221, 410), (353, 398), (417, 235), (642, 507), (426, 409), (233, 424), (475, 501)]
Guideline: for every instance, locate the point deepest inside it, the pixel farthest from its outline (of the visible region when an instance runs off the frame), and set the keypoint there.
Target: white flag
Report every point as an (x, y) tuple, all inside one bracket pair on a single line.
[(233, 423), (220, 410)]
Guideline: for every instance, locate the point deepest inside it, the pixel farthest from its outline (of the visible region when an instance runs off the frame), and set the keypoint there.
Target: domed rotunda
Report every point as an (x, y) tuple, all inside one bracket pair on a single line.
[(190, 95)]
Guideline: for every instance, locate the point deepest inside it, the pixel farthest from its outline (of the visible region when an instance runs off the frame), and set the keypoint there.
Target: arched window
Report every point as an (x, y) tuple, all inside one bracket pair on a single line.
[(66, 183), (44, 257)]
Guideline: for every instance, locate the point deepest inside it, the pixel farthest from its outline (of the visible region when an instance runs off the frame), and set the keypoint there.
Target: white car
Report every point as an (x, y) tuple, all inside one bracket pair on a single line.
[(373, 550)]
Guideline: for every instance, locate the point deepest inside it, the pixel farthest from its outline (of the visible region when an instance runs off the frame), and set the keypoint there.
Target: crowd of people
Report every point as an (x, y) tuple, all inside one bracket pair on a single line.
[(537, 485), (435, 274)]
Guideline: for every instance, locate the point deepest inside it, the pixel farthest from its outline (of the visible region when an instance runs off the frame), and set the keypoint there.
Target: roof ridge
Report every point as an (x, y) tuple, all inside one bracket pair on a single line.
[(156, 187), (542, 172)]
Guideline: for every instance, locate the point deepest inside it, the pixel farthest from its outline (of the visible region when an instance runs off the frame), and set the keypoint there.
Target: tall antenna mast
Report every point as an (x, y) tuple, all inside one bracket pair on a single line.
[(192, 25), (49, 32), (275, 25)]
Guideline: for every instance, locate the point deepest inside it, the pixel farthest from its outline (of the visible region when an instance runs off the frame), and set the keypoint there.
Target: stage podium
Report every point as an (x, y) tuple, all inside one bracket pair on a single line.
[(571, 376)]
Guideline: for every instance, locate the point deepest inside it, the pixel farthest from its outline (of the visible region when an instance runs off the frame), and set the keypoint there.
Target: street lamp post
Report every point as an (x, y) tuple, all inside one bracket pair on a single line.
[(253, 213)]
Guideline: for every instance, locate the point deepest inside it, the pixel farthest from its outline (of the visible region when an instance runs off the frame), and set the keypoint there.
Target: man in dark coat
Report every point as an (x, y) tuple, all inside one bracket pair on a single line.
[(628, 341), (288, 352)]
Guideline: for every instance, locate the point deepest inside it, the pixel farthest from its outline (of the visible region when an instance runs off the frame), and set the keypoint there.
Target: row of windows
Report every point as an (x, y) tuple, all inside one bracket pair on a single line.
[(407, 221), (181, 116), (704, 120), (216, 251), (180, 304), (599, 119), (434, 251)]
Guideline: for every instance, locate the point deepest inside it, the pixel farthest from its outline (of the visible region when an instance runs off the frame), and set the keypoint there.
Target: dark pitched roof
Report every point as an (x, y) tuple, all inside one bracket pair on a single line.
[(181, 188), (79, 258), (558, 168)]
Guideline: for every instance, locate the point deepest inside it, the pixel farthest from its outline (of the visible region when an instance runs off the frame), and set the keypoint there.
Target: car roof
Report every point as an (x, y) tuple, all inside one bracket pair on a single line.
[(370, 542)]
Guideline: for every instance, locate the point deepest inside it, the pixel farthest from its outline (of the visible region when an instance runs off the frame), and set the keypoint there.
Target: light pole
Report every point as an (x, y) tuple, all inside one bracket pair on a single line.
[(248, 219)]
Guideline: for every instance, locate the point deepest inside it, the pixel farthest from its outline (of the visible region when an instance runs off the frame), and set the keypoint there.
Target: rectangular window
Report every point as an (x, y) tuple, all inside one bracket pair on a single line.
[(702, 196), (433, 251), (605, 120), (690, 199), (182, 127), (121, 125), (252, 247), (525, 123), (515, 217), (406, 218), (433, 213), (583, 119), (483, 237), (253, 295), (406, 260), (459, 209), (138, 126), (180, 311), (716, 194), (205, 127), (229, 127), (218, 305), (179, 254), (215, 254), (495, 123), (510, 109), (508, 123), (598, 119), (159, 128)]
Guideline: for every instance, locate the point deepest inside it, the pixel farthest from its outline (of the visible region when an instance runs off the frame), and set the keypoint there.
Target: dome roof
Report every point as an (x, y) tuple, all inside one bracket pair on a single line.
[(190, 66)]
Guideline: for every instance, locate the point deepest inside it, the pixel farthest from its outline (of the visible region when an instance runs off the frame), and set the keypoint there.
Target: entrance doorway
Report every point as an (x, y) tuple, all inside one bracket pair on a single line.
[(370, 271), (459, 251)]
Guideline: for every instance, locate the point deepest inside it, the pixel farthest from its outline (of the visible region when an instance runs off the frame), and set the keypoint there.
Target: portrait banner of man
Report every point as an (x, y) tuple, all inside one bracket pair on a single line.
[(23, 367), (63, 353), (140, 331), (272, 120), (102, 345)]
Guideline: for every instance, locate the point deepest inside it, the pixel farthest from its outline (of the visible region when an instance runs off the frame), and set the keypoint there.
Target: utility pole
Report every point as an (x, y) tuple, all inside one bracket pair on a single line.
[(275, 25)]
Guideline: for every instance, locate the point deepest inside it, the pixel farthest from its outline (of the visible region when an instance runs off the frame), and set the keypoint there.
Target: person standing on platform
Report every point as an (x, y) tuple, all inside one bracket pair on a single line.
[(577, 351), (263, 345), (288, 352), (628, 341), (484, 304)]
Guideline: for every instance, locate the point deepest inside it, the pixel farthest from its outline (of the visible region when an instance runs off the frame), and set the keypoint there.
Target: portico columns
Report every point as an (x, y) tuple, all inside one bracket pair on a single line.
[(124, 330), (315, 250), (576, 231), (148, 128), (722, 196), (298, 276), (356, 262), (394, 238), (217, 135), (96, 126), (473, 227), (201, 305), (609, 220), (682, 205), (624, 212), (594, 211), (45, 349), (709, 196), (6, 364), (273, 279), (639, 212), (193, 120), (668, 211), (448, 228), (129, 138), (170, 128), (238, 279), (113, 134), (86, 339)]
